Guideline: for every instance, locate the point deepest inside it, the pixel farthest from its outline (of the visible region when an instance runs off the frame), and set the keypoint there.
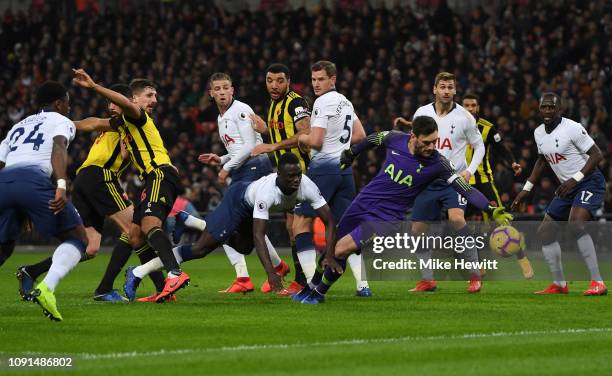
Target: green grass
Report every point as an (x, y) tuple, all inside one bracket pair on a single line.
[(505, 330)]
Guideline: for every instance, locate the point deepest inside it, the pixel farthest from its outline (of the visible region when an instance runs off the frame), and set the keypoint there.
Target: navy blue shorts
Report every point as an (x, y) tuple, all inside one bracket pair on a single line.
[(255, 168), (232, 214), (27, 191), (337, 188), (438, 195), (588, 193)]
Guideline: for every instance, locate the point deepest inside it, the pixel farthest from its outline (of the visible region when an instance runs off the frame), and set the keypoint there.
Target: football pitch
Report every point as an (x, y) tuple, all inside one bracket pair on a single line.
[(504, 330)]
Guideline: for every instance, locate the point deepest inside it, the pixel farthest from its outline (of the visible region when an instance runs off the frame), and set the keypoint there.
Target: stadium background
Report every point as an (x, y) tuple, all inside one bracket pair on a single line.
[(387, 53)]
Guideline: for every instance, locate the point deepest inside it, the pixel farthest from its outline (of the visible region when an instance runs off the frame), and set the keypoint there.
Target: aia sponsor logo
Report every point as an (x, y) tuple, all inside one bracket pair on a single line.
[(444, 143), (555, 158)]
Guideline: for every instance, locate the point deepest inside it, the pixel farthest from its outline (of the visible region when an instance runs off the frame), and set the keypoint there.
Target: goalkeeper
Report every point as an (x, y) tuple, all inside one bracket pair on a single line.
[(411, 164)]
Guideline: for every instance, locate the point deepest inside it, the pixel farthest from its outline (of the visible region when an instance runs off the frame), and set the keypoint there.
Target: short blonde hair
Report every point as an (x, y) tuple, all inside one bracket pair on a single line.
[(444, 76)]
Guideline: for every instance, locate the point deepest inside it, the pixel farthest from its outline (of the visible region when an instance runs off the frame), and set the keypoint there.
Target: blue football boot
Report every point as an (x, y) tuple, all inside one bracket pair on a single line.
[(314, 298), (26, 283), (111, 296), (364, 292), (131, 283)]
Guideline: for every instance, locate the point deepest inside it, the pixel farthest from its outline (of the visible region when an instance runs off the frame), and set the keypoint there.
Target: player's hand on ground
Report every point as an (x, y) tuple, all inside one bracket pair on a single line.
[(332, 264), (501, 217), (209, 158), (275, 281), (466, 175), (59, 202), (566, 187), (262, 148), (222, 177), (81, 78), (401, 122), (258, 123), (517, 169), (346, 158)]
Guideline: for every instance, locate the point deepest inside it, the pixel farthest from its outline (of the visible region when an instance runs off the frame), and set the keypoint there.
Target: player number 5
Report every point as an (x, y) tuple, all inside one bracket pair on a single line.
[(347, 128)]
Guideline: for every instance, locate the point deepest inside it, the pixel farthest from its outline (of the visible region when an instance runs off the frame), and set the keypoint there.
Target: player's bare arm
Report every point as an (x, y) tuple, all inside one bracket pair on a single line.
[(534, 177), (259, 124), (59, 161), (260, 227), (402, 122), (358, 132), (92, 124), (302, 126), (129, 108), (595, 157), (330, 235), (314, 139)]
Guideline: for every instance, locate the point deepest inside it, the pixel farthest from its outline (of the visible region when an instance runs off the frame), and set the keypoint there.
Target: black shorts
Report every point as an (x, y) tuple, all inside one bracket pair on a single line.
[(159, 193), (489, 190), (96, 194)]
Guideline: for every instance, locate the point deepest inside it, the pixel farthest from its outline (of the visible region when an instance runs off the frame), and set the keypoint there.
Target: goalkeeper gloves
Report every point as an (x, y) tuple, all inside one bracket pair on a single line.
[(500, 216), (346, 158)]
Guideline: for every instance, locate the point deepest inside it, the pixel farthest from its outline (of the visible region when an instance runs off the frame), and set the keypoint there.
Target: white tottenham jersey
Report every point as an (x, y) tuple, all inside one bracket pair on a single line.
[(565, 148), (30, 142), (265, 196), (333, 112), (237, 134), (456, 130)]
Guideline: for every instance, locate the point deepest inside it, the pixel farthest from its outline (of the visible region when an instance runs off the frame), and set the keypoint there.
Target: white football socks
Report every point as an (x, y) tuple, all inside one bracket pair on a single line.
[(552, 254), (354, 261), (65, 258), (195, 223), (237, 260), (587, 249), (308, 260)]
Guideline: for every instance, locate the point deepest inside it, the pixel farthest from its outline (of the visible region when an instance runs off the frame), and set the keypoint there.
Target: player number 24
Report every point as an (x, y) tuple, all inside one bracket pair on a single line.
[(33, 137)]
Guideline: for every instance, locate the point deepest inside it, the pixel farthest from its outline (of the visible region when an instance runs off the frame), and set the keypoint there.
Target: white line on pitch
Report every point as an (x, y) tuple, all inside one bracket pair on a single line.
[(364, 341)]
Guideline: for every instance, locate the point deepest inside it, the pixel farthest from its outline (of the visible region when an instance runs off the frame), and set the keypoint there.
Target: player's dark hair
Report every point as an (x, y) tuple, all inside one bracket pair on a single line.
[(423, 126), (472, 96), (49, 92), (122, 89), (444, 76), (219, 76), (139, 84), (279, 68), (327, 66), (287, 159), (556, 99)]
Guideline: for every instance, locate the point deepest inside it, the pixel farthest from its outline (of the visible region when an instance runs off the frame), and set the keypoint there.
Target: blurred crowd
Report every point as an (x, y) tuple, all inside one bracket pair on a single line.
[(387, 59)]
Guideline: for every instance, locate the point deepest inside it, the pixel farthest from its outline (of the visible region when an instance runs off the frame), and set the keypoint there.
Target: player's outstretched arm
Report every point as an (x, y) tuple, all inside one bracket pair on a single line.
[(92, 124), (533, 179), (373, 140), (326, 216), (499, 148), (59, 162), (260, 227), (359, 133), (595, 157), (82, 79)]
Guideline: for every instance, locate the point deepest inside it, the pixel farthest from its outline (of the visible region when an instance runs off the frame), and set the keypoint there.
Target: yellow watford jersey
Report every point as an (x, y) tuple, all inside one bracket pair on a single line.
[(490, 135), (143, 141), (105, 152), (282, 116)]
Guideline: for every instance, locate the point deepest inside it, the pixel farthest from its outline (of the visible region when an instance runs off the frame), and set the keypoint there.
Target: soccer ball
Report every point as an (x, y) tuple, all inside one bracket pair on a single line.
[(505, 241)]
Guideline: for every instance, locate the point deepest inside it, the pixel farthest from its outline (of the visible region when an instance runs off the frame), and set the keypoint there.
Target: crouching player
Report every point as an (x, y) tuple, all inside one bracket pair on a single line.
[(241, 220), (411, 164)]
